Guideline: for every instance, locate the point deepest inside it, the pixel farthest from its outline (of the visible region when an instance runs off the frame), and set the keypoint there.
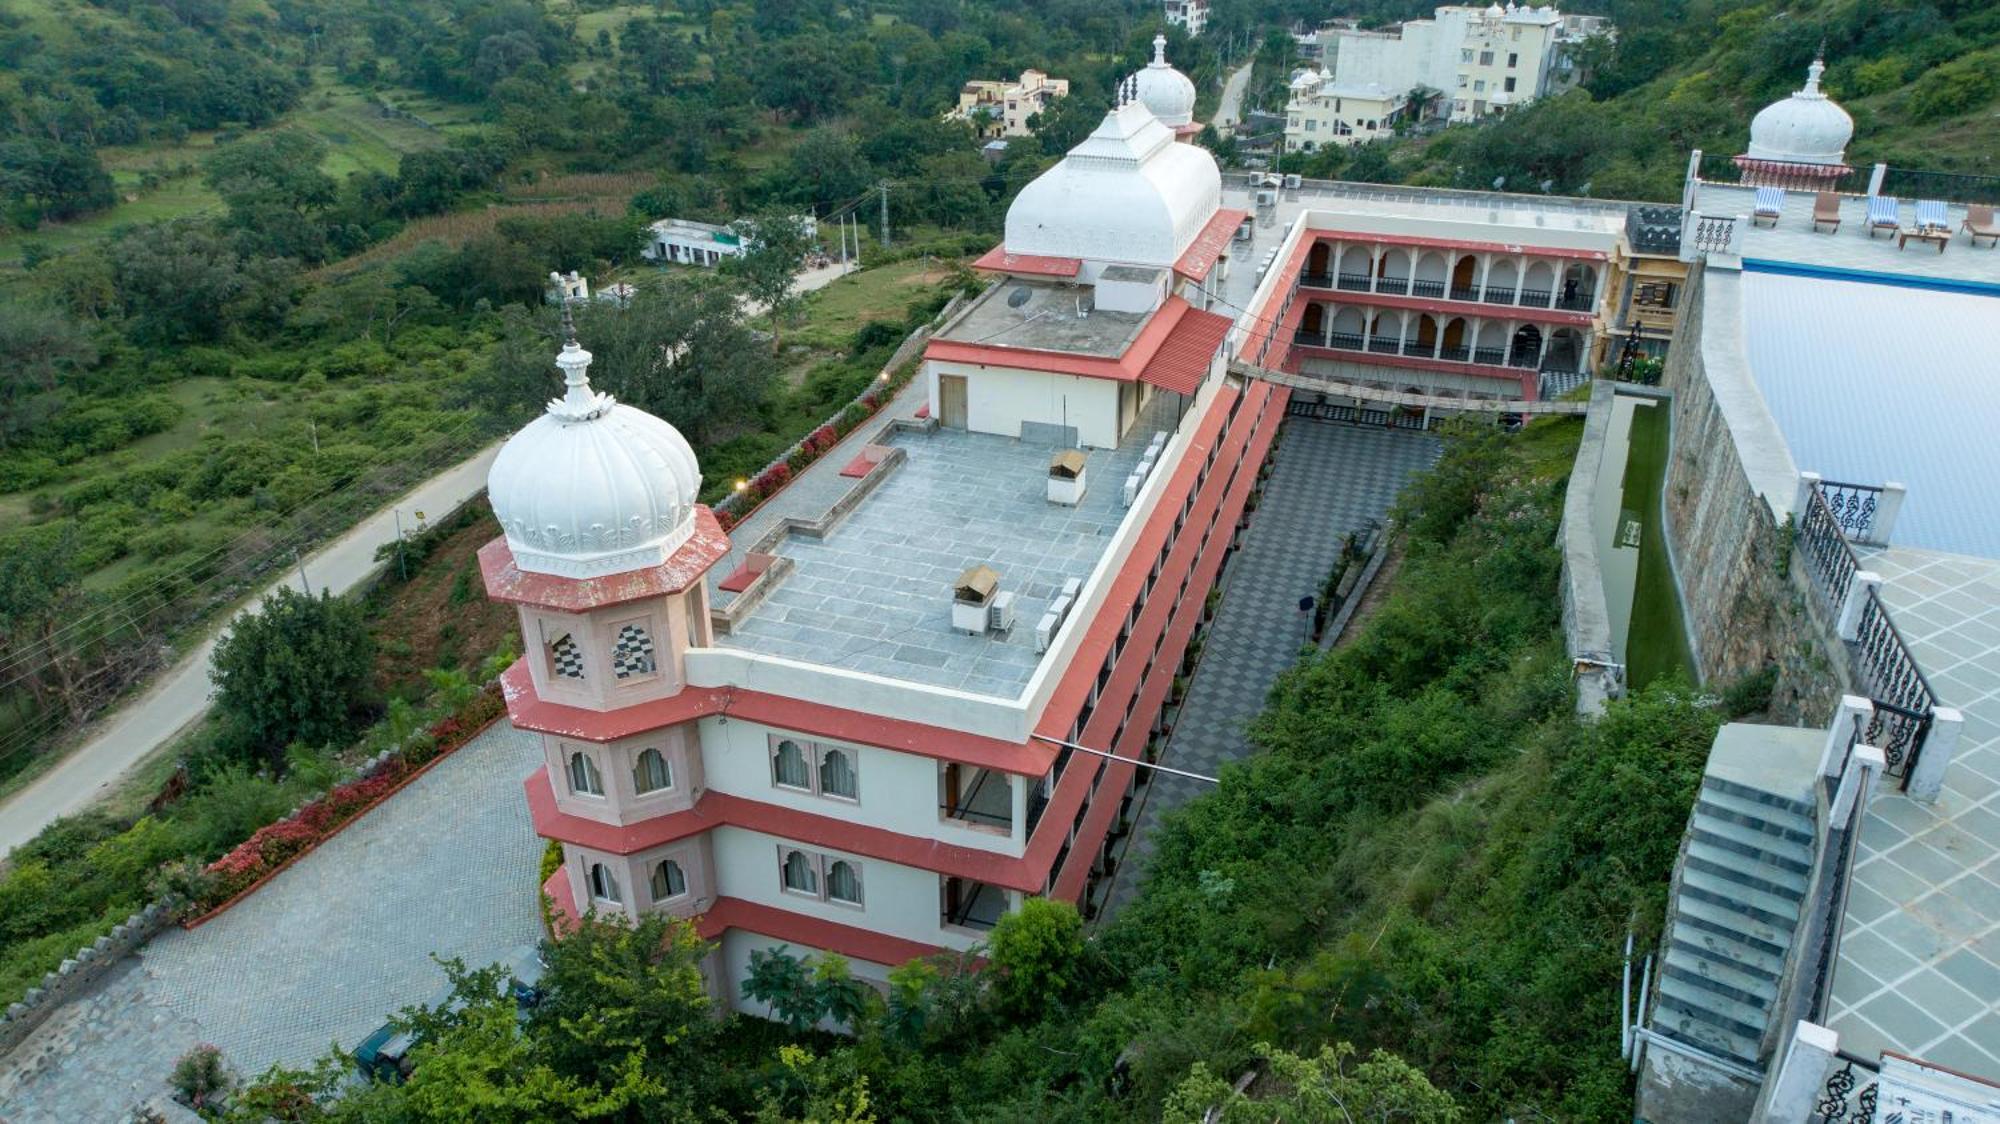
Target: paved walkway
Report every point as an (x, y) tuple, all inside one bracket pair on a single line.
[(1328, 479), (321, 955), (1919, 964)]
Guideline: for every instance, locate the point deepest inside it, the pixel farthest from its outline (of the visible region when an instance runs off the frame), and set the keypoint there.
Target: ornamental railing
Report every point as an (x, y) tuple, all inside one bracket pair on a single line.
[(1850, 1093), (1854, 507), (1713, 234), (1903, 697), (1824, 548)]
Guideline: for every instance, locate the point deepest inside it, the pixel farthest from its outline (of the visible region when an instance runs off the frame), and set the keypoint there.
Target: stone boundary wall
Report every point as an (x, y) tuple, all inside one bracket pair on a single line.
[(1586, 616), (1731, 547), (80, 973)]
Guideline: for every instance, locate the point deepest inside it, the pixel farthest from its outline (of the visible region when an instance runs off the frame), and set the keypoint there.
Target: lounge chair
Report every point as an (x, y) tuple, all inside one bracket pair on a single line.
[(1826, 209), (1770, 204), (1931, 216), (1882, 214), (1979, 224)]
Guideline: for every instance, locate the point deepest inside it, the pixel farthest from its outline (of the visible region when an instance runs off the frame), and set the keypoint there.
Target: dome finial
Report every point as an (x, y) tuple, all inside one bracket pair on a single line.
[(1160, 49), (1817, 68), (579, 402)]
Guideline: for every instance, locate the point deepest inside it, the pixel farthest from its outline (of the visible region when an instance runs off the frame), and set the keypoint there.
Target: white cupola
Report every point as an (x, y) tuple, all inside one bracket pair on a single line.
[(592, 487), (1164, 90), (1806, 128)]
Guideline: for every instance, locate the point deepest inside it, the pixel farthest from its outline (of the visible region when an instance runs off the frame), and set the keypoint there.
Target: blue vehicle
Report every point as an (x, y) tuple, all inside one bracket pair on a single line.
[(385, 1054)]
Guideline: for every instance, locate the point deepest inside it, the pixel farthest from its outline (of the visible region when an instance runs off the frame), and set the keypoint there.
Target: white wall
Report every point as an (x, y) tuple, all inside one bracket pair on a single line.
[(902, 901), (899, 791), (999, 399), (737, 945)]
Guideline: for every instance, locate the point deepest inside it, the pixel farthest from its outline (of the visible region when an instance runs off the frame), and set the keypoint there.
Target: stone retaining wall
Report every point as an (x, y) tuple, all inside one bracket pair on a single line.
[(80, 973), (1746, 600)]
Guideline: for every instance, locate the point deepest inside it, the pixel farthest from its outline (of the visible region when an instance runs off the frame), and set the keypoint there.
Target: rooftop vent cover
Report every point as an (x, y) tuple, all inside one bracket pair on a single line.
[(1019, 296)]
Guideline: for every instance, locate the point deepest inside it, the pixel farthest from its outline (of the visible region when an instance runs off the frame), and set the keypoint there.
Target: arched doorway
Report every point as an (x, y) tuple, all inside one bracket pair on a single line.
[(1392, 273), (1502, 282), (1526, 348), (1579, 287), (1465, 279), (1538, 285), (1348, 324), (1317, 263), (1427, 335), (1565, 350), (1455, 347), (1313, 323), (1430, 275)]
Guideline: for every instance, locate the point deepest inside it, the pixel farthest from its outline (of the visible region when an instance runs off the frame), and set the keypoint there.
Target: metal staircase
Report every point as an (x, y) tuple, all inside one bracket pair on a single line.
[(1744, 872)]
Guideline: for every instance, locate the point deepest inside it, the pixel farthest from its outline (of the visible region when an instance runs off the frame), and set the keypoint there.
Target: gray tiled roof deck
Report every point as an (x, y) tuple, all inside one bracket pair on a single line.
[(1792, 238), (874, 596), (1919, 964)]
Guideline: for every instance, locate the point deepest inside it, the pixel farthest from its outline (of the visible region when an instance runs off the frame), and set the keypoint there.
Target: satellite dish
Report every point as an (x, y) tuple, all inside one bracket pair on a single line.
[(1019, 296)]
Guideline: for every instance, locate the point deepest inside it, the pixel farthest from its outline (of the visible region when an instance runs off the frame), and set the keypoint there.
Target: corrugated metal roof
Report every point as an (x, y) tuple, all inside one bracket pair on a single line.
[(1874, 382), (1184, 356)]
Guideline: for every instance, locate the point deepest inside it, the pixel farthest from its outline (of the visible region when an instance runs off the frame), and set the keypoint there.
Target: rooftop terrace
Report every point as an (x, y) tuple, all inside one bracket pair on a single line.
[(874, 595), (1850, 248), (1049, 317)]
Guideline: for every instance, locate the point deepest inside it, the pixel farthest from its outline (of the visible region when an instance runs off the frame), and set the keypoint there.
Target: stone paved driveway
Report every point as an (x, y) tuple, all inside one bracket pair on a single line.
[(1328, 479), (320, 955)]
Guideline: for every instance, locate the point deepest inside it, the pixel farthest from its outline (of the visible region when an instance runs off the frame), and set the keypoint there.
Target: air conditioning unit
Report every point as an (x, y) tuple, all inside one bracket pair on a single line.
[(1000, 614), (1132, 483)]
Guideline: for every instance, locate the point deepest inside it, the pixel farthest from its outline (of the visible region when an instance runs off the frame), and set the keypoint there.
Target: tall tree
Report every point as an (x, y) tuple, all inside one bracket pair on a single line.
[(774, 247), (294, 671)]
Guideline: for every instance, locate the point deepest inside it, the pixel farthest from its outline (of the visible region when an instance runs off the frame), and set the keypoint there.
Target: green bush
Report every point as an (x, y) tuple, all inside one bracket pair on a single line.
[(1959, 86)]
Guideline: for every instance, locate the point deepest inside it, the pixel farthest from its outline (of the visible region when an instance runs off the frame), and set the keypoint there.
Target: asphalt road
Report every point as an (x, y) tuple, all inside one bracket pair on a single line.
[(181, 694), (1229, 111)]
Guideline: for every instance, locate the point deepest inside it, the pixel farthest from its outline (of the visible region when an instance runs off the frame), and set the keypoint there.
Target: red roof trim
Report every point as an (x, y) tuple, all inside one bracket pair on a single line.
[(529, 711), (1447, 308), (1188, 352), (998, 260), (506, 581), (1458, 244), (815, 932), (1199, 259), (1124, 368)]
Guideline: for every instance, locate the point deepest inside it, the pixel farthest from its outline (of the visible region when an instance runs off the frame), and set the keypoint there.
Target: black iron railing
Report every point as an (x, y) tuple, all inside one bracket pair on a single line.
[(1384, 347), (1357, 415), (1714, 233), (1427, 289), (1850, 1093), (1902, 696), (1717, 167), (1354, 282), (1958, 187), (1824, 549), (1464, 293), (1852, 506), (1455, 354), (1346, 341), (1576, 303), (1316, 280), (1499, 296), (1399, 286), (1492, 356), (1307, 336), (1535, 298)]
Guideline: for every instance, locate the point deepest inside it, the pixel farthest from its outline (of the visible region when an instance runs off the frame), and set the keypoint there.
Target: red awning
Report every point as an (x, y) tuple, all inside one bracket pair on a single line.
[(1000, 261), (1185, 355), (1199, 259)]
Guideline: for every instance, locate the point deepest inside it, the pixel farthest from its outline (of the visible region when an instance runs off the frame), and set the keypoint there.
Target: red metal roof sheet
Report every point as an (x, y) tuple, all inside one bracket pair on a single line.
[(999, 260), (1183, 359), (1208, 246)]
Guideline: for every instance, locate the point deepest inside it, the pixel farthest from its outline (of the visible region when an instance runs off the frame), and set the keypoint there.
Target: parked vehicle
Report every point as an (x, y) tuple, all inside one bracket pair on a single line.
[(385, 1054)]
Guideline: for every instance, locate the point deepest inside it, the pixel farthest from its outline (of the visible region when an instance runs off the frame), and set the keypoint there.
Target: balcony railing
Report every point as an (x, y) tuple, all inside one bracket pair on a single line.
[(1578, 303), (1354, 282), (1396, 286), (1384, 347), (1535, 298), (1491, 356), (1427, 289), (1455, 354), (1345, 341), (1316, 280), (1497, 295), (1464, 293)]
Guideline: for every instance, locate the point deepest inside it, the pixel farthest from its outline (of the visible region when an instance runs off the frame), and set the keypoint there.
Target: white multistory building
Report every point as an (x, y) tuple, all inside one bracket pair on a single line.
[(1481, 61), (1189, 15), (1321, 111)]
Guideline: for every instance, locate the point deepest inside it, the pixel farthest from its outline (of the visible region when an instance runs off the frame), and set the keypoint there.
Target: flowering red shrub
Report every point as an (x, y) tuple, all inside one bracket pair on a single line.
[(772, 478)]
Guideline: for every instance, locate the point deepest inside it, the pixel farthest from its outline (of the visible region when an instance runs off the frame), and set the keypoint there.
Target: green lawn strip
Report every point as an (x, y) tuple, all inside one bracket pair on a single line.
[(1656, 643)]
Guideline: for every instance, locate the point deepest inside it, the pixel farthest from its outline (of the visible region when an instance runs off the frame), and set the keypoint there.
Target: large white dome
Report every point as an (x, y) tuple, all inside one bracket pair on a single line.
[(1806, 128), (592, 487), (1164, 90), (1127, 194)]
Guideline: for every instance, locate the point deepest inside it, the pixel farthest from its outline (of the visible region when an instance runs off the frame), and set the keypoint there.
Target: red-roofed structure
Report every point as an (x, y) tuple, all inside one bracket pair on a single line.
[(998, 260), (1187, 354), (1199, 259)]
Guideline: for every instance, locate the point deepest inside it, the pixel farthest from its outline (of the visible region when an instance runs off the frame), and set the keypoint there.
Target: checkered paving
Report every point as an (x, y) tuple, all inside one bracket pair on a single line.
[(1329, 478), (566, 657), (633, 654)]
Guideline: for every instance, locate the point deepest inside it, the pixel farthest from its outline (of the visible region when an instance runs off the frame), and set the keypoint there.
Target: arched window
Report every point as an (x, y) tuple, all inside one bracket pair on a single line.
[(603, 886), (836, 774), (788, 765), (632, 653), (843, 883), (668, 881), (583, 776), (650, 773), (799, 875)]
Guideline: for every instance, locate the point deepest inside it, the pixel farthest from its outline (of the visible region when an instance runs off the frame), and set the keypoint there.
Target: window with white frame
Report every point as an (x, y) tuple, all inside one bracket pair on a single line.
[(823, 770), (584, 779), (813, 875), (632, 652), (669, 882), (603, 884), (650, 773), (798, 872)]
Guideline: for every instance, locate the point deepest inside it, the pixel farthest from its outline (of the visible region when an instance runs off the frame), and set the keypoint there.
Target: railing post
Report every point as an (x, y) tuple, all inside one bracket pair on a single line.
[(1687, 182), (1737, 226), (1926, 777), (1864, 764), (1865, 582), (1796, 1087), (1887, 504), (1875, 179), (1807, 482), (1850, 717)]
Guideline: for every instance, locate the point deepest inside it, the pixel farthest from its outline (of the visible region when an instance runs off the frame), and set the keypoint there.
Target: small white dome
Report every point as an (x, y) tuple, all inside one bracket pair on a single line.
[(1164, 90), (592, 487), (1127, 194), (1806, 128)]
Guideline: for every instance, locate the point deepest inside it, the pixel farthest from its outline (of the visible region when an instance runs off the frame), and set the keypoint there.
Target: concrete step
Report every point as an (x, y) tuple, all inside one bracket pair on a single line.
[(1755, 815), (1752, 843), (1706, 1038), (1743, 1020), (1715, 973), (1780, 913), (1795, 805), (1746, 870), (1755, 959), (1723, 922)]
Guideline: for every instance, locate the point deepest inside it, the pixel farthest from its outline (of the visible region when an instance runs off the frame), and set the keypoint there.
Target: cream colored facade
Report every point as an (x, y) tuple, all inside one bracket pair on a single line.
[(998, 108), (1321, 112), (1483, 60)]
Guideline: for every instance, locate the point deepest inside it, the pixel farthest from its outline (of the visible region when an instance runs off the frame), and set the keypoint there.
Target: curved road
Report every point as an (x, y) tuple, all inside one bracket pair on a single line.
[(124, 737), (1229, 111)]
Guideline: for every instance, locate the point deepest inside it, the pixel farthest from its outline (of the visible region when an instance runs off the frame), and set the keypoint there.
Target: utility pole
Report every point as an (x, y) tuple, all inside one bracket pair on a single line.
[(303, 582), (885, 214), (402, 571)]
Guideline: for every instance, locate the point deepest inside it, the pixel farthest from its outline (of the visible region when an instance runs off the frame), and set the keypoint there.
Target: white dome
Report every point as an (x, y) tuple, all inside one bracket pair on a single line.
[(1806, 128), (1164, 90), (592, 487), (1127, 194)]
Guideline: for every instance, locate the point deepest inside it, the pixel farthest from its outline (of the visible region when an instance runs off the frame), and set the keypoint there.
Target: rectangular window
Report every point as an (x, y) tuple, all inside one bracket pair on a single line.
[(1465, 55), (1479, 87), (1312, 126), (1512, 60), (1486, 58)]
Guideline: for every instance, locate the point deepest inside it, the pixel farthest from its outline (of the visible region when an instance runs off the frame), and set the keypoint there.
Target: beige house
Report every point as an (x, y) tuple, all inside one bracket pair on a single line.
[(1322, 112), (998, 108), (1484, 60)]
